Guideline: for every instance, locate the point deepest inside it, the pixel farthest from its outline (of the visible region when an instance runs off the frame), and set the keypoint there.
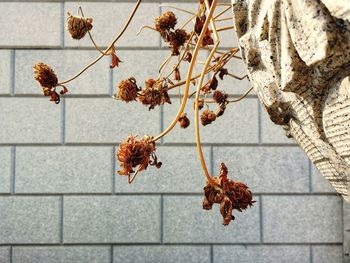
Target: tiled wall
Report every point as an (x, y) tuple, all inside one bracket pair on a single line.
[(60, 199)]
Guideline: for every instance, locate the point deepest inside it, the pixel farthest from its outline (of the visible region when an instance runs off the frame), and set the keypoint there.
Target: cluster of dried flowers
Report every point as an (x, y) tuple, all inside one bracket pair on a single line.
[(134, 154)]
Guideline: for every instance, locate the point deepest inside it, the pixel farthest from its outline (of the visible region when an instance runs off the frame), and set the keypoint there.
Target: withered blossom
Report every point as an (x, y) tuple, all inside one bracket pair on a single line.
[(198, 27), (177, 75), (165, 22), (154, 94), (184, 121), (222, 73), (115, 59), (188, 56), (207, 117), (47, 78), (228, 193), (133, 152), (127, 90), (210, 85), (177, 39), (221, 110), (220, 97), (78, 26)]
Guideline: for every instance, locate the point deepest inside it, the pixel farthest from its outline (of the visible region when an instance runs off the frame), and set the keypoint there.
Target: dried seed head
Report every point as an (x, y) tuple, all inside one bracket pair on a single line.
[(188, 56), (177, 39), (133, 152), (177, 75), (213, 83), (207, 117), (184, 121), (220, 97), (45, 75), (221, 110), (78, 26), (165, 22), (127, 90), (228, 193), (154, 94), (222, 73)]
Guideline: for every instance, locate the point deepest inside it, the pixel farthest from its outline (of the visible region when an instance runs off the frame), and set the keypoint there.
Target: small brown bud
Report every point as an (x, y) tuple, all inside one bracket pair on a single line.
[(177, 75), (222, 73), (78, 26), (221, 110), (188, 56), (184, 121), (45, 75), (127, 90), (207, 117), (220, 97)]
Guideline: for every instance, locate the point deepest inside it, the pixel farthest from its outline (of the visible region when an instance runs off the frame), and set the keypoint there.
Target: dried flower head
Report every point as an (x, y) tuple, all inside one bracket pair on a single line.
[(78, 26), (207, 117), (188, 56), (228, 193), (177, 39), (184, 121), (47, 78), (177, 75), (221, 110), (45, 75), (115, 59), (165, 22), (222, 73), (154, 94), (127, 90), (133, 152), (220, 97)]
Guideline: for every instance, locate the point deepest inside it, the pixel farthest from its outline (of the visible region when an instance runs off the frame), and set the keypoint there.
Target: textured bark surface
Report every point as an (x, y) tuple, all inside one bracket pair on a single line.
[(297, 54)]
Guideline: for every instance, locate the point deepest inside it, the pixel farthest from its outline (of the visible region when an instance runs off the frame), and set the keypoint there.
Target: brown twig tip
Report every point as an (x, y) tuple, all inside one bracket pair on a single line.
[(78, 26), (207, 117), (228, 193), (184, 121), (47, 78), (133, 152), (127, 90), (154, 94)]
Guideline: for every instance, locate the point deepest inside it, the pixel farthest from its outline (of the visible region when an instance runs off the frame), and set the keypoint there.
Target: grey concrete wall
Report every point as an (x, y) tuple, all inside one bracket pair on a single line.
[(60, 200)]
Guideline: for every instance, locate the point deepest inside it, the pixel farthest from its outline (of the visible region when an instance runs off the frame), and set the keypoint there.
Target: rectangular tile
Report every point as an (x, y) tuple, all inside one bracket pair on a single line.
[(6, 71), (5, 169)]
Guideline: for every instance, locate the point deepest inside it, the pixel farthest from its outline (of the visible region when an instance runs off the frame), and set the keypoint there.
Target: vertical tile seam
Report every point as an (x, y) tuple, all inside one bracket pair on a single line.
[(13, 170), (12, 75), (11, 254), (112, 253), (61, 220), (259, 123), (113, 171), (211, 253), (63, 121), (261, 219), (62, 24), (161, 219), (311, 254)]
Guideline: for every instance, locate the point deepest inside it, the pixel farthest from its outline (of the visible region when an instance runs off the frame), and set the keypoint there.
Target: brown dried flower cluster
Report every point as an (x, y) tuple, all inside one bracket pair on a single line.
[(155, 93), (127, 90), (133, 152), (78, 26), (207, 117), (208, 39), (184, 121), (228, 193), (165, 25), (47, 78)]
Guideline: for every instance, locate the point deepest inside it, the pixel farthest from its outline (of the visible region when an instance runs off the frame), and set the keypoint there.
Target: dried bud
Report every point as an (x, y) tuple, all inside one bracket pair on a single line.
[(165, 22), (200, 104), (45, 75), (177, 39), (127, 90), (208, 39), (78, 26), (198, 26), (154, 94), (115, 59), (221, 110), (228, 193), (177, 75), (133, 152), (220, 97), (222, 73), (188, 56), (184, 121), (207, 117), (213, 83)]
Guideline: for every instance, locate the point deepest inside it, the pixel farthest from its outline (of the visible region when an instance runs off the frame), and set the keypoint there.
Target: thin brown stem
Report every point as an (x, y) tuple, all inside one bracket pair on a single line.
[(180, 9), (108, 48), (222, 12), (189, 74), (225, 28)]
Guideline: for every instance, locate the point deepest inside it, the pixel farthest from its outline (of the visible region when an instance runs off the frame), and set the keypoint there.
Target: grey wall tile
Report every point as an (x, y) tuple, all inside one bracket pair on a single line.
[(262, 254), (117, 219), (185, 221), (65, 63), (39, 24), (63, 169), (239, 124), (6, 71), (5, 169), (327, 254), (29, 220), (109, 19), (319, 183), (302, 219), (107, 120), (5, 255), (266, 169), (63, 254), (181, 172), (29, 120), (159, 254)]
